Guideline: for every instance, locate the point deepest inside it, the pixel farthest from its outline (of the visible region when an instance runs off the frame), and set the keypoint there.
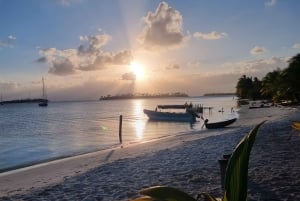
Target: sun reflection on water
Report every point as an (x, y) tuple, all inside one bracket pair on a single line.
[(138, 124)]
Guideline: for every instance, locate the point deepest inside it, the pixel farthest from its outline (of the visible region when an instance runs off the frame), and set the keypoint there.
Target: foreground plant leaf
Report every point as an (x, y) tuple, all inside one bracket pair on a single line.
[(207, 197), (145, 198), (236, 179), (296, 125), (165, 193)]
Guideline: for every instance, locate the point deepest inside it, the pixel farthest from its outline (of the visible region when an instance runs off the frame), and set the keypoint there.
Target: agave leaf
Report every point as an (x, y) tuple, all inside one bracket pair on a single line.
[(145, 198), (236, 178), (207, 197), (296, 125), (225, 197), (167, 194)]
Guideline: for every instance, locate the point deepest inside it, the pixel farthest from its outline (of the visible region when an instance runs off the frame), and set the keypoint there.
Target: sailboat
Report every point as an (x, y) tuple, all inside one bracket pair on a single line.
[(44, 101), (1, 100)]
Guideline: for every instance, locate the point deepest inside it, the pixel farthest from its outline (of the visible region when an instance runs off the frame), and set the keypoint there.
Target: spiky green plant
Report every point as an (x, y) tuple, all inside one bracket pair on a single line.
[(236, 178), (296, 127)]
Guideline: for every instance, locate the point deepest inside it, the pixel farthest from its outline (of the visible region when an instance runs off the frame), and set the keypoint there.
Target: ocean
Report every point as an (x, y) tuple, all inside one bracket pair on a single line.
[(30, 134)]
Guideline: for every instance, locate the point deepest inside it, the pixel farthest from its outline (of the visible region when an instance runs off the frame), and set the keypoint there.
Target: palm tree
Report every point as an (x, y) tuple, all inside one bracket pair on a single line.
[(244, 87), (256, 87), (292, 77), (272, 85)]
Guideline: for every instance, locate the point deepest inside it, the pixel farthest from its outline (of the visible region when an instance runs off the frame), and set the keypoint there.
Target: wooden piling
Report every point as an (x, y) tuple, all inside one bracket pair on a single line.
[(120, 129)]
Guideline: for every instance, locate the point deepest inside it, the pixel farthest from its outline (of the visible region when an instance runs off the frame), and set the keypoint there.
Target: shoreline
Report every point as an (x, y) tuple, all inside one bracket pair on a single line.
[(118, 174)]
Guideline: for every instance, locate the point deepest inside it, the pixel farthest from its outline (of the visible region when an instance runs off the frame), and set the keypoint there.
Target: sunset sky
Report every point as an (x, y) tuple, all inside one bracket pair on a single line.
[(89, 48)]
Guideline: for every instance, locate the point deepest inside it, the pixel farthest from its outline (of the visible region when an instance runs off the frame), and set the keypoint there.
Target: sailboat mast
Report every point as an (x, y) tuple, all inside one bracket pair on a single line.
[(43, 101), (44, 93), (43, 87)]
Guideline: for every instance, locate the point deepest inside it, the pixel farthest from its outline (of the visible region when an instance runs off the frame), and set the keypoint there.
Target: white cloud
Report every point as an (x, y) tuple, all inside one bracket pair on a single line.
[(83, 38), (11, 37), (94, 43), (7, 86), (129, 76), (62, 67), (163, 29), (270, 3), (172, 67), (258, 50), (87, 57), (194, 64), (210, 36), (8, 42), (259, 67), (296, 46), (66, 2)]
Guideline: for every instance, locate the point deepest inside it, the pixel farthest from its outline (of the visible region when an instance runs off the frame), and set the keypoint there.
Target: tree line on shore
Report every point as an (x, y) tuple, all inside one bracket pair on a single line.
[(143, 95), (278, 85)]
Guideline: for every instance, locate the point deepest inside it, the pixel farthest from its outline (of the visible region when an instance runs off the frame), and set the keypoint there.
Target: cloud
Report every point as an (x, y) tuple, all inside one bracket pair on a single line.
[(8, 42), (83, 38), (172, 67), (11, 37), (94, 43), (163, 29), (89, 56), (259, 67), (258, 50), (194, 64), (6, 86), (210, 36), (42, 60), (104, 60), (67, 2), (62, 67), (270, 3), (296, 46), (129, 76), (122, 58)]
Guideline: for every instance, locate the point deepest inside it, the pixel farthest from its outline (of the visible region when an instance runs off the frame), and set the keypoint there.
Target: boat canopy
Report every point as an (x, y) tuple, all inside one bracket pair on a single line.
[(172, 106)]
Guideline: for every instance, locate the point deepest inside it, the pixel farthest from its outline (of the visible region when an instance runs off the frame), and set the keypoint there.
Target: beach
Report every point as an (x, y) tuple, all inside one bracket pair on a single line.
[(187, 162)]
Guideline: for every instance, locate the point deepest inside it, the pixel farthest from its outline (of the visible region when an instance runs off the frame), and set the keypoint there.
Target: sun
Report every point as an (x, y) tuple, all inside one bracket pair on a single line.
[(137, 69)]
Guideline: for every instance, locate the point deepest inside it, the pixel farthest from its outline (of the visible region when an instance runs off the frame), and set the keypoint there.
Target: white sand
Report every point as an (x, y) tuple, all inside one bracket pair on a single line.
[(187, 161)]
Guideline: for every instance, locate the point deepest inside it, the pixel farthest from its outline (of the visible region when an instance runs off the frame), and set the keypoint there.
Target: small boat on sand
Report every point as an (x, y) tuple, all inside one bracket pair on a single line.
[(220, 124), (188, 115)]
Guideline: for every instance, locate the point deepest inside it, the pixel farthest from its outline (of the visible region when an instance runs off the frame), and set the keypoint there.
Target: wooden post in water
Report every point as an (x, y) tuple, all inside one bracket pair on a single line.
[(120, 129)]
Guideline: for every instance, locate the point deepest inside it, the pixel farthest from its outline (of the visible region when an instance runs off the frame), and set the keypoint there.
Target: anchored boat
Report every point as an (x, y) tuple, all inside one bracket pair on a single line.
[(44, 101), (219, 124), (187, 115)]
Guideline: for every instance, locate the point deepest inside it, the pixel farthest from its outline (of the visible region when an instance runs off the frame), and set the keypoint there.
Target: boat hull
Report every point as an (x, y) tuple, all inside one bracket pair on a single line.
[(170, 116), (221, 124), (44, 104)]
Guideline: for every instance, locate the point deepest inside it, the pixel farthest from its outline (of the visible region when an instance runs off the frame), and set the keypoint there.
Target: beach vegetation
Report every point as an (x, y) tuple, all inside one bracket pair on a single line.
[(236, 178), (278, 85), (143, 96), (296, 127)]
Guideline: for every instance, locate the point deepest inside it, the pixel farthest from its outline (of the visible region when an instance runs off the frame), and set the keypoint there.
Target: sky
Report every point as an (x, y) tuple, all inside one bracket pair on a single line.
[(85, 49)]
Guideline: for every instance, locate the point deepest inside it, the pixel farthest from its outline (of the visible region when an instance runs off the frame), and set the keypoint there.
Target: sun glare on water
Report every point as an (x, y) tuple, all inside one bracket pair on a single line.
[(138, 70)]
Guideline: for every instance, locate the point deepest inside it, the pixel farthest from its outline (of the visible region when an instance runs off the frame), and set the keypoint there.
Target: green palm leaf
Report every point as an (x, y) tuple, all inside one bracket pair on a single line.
[(207, 197), (145, 198), (164, 193), (236, 179)]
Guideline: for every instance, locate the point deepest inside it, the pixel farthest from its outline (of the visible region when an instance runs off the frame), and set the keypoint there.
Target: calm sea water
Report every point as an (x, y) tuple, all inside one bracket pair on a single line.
[(30, 134)]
